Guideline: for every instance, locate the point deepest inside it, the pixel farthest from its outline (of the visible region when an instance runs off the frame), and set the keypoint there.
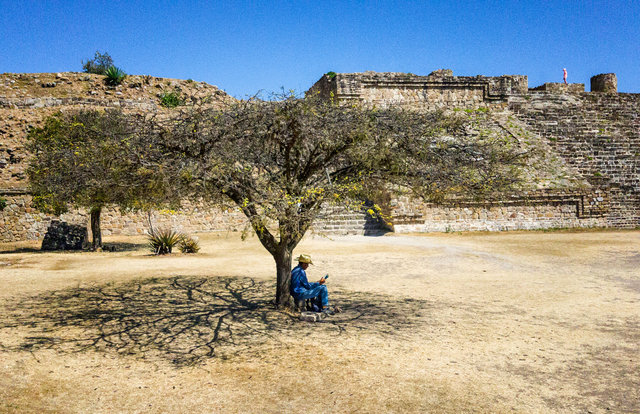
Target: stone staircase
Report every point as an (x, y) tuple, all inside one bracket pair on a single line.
[(598, 135), (339, 220)]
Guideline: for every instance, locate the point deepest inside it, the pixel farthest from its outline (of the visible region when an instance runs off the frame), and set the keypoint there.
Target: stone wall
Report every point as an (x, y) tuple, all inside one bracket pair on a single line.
[(598, 134), (595, 134), (541, 212), (440, 89), (19, 221), (556, 87)]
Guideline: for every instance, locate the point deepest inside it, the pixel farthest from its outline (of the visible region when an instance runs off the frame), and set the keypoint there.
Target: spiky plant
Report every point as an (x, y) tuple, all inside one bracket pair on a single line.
[(114, 76), (189, 244), (164, 240)]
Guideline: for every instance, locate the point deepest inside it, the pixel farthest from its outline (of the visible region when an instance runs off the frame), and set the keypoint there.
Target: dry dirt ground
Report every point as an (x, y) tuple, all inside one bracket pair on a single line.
[(512, 322)]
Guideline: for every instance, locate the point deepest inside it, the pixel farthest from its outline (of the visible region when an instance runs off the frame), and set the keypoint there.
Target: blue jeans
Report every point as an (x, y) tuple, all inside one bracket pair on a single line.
[(321, 292)]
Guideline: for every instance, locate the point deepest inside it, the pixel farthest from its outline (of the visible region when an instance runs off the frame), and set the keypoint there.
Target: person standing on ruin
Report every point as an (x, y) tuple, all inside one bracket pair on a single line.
[(564, 75)]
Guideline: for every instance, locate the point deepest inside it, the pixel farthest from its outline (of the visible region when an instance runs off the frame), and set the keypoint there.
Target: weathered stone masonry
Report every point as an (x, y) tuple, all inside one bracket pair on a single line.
[(599, 135), (596, 135), (440, 90), (25, 103)]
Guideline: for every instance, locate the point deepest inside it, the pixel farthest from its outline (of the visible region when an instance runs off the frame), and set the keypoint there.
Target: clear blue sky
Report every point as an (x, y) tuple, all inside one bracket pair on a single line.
[(246, 46)]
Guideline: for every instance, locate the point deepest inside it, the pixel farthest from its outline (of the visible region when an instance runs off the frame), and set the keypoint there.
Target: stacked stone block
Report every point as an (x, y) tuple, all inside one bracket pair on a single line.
[(555, 87), (604, 82), (542, 212), (438, 90), (599, 135), (65, 236)]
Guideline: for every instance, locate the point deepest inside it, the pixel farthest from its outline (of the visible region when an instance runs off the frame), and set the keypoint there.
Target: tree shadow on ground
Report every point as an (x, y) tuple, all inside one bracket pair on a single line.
[(12, 250), (107, 247), (124, 246), (187, 320)]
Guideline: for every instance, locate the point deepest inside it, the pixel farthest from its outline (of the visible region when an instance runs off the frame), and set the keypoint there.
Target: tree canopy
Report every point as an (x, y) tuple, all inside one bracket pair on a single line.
[(99, 64), (84, 159), (280, 161)]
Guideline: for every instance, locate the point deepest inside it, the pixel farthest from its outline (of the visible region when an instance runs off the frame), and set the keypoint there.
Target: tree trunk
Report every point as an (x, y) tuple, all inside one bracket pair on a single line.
[(95, 227), (283, 267)]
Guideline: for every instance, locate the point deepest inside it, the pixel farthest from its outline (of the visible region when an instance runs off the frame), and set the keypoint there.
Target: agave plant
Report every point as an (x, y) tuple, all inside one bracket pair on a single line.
[(164, 240), (114, 76), (189, 244)]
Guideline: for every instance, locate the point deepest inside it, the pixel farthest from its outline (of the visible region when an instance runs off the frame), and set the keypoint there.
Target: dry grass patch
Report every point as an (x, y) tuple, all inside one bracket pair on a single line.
[(451, 323), (186, 319)]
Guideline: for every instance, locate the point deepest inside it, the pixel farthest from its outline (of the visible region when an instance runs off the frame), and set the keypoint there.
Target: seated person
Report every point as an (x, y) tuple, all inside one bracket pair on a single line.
[(301, 289)]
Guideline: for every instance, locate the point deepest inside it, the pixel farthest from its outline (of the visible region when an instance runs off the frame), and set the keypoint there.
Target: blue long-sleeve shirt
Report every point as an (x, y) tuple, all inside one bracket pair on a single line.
[(299, 282)]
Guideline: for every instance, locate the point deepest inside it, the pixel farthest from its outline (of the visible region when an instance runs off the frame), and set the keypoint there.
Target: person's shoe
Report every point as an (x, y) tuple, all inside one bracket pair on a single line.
[(328, 311)]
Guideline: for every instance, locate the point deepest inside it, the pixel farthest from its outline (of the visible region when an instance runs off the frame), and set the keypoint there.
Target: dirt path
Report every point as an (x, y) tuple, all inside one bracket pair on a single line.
[(510, 322)]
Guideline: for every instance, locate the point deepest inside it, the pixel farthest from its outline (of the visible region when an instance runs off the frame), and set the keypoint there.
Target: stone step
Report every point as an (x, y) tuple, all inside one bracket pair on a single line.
[(312, 316)]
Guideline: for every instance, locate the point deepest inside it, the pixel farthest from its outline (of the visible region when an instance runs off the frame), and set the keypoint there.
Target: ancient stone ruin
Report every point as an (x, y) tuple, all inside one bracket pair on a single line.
[(65, 236), (605, 82), (594, 136), (591, 177)]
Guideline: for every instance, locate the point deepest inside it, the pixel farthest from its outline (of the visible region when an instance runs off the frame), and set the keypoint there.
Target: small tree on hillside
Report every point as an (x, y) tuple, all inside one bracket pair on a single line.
[(99, 64), (84, 159), (281, 161)]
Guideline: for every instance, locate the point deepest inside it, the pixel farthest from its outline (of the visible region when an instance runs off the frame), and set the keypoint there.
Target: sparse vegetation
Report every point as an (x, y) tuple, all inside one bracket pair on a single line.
[(189, 244), (171, 100), (3, 203), (163, 241), (99, 65), (330, 75), (114, 76)]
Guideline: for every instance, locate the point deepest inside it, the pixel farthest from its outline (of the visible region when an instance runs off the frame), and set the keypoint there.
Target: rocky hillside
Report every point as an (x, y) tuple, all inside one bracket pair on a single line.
[(26, 99), (73, 84)]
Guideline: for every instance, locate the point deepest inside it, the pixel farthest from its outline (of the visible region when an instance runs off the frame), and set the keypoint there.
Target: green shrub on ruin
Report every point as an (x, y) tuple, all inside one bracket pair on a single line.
[(114, 76), (99, 64), (3, 203), (170, 100)]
